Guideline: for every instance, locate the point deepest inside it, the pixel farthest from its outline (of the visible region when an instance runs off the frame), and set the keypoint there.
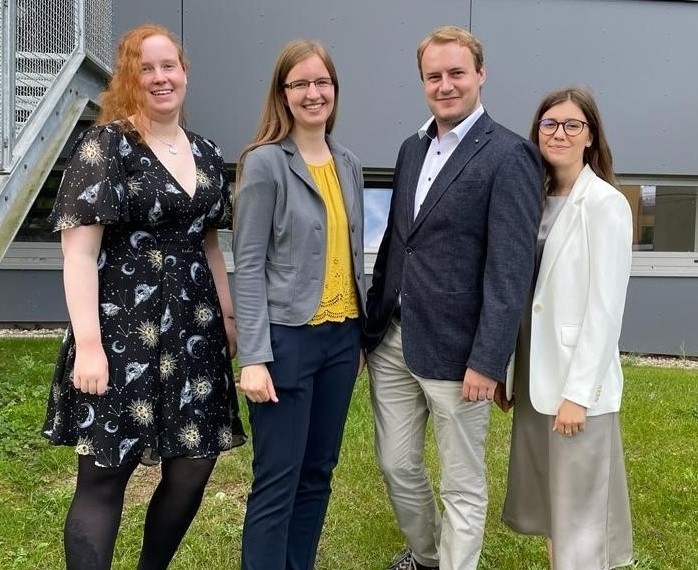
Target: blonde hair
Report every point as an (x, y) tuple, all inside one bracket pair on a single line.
[(447, 34)]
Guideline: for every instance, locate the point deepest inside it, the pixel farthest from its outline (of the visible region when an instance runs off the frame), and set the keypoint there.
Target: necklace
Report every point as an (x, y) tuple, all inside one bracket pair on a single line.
[(170, 146)]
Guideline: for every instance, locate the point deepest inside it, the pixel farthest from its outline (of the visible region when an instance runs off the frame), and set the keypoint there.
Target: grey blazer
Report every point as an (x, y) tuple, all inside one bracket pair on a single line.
[(279, 242), (463, 267)]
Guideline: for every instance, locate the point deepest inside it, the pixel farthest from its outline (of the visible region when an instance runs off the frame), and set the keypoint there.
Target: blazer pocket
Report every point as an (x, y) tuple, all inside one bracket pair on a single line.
[(569, 334), (281, 283)]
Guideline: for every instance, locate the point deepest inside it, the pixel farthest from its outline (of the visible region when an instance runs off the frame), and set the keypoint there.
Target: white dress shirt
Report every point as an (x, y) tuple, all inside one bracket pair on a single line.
[(439, 152)]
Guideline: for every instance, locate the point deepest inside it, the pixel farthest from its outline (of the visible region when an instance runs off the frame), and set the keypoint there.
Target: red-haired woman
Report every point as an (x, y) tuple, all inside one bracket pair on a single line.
[(144, 371)]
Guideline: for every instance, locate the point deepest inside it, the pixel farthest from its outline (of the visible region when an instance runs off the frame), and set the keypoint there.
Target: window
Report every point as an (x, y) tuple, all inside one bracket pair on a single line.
[(665, 217), (376, 206)]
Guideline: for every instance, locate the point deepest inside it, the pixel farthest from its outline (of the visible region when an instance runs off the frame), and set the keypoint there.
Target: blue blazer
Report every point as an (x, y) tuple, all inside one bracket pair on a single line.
[(463, 267)]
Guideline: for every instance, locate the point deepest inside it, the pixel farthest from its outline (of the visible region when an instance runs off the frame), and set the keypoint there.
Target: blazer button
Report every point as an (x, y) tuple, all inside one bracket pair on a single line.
[(537, 308), (409, 251)]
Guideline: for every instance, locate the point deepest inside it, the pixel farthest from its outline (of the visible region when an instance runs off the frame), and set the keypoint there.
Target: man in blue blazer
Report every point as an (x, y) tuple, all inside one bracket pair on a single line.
[(449, 283)]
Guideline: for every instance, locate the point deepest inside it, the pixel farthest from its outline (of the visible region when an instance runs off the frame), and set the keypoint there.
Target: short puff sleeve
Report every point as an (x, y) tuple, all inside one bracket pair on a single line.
[(93, 189)]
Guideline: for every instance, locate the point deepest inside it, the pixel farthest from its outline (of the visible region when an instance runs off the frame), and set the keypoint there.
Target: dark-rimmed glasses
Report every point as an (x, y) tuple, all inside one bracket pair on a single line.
[(572, 127), (304, 84)]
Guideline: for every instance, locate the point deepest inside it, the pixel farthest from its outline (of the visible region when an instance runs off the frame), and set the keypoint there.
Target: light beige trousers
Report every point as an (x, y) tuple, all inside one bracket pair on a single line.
[(402, 403)]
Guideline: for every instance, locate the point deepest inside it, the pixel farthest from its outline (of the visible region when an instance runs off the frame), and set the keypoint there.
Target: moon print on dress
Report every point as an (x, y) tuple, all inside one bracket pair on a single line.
[(90, 418), (137, 237), (195, 270), (160, 320)]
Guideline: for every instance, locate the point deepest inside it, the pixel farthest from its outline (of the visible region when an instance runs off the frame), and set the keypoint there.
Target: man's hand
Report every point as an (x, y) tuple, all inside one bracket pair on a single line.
[(478, 387)]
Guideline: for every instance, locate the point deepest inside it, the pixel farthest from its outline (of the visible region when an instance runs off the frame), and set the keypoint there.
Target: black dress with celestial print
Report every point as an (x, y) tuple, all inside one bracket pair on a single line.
[(170, 386)]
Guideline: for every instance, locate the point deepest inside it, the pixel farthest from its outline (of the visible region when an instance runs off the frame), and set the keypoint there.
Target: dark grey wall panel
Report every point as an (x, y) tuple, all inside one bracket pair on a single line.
[(637, 57), (233, 46), (661, 316), (130, 13), (30, 296)]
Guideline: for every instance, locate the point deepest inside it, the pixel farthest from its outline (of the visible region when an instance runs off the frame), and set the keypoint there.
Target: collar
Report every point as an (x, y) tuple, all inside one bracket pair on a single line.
[(460, 130)]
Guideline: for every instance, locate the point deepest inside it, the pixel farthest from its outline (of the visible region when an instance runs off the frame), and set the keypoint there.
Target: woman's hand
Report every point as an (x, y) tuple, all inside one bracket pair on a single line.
[(256, 383), (362, 362), (91, 371), (570, 419), (231, 335)]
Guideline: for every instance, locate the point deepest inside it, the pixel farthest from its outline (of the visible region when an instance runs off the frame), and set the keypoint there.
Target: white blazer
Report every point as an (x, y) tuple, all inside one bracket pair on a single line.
[(579, 300)]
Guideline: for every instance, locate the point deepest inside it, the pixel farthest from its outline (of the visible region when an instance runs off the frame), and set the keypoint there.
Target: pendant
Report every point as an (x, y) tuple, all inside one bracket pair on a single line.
[(173, 150)]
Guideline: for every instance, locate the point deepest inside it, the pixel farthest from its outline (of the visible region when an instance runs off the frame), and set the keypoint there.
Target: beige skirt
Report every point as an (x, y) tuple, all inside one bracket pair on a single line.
[(570, 489)]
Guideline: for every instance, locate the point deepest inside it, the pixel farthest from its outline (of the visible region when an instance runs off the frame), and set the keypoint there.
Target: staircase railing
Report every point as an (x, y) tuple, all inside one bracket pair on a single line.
[(38, 40)]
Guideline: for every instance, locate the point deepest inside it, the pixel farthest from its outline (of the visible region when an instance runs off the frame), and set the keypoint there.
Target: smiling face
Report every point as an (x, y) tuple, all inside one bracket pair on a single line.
[(311, 107), (560, 150), (451, 83), (162, 77)]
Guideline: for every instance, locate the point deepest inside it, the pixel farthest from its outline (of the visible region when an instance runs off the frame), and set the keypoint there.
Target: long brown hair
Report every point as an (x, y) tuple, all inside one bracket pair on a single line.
[(124, 96), (598, 155), (276, 120)]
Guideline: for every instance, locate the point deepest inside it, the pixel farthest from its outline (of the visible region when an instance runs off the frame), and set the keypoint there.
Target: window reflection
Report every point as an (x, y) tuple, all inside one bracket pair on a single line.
[(665, 218), (376, 206)]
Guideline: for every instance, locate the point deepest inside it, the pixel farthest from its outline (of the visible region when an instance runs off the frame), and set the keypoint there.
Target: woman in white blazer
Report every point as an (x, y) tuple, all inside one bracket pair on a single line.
[(566, 471)]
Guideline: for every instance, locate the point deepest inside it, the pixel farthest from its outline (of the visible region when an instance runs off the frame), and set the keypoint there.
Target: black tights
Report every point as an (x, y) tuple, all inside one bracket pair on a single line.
[(95, 513)]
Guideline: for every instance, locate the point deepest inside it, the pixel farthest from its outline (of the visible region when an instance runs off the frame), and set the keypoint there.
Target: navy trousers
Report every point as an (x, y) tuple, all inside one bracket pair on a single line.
[(296, 443)]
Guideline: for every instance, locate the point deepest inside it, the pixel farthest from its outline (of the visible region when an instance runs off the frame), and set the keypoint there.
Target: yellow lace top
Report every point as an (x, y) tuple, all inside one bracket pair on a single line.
[(339, 300)]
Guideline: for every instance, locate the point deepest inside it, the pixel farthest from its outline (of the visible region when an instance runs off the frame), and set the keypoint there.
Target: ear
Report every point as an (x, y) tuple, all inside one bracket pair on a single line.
[(483, 75)]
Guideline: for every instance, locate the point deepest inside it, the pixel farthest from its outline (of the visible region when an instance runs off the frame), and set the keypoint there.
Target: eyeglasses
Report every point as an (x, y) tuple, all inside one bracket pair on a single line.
[(572, 127), (304, 84)]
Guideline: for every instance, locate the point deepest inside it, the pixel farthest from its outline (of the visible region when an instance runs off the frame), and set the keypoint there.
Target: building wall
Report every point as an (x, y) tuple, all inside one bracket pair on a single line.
[(636, 55)]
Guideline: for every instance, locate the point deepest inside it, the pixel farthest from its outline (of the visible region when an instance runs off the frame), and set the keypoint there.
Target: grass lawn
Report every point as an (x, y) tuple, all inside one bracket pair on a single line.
[(660, 422)]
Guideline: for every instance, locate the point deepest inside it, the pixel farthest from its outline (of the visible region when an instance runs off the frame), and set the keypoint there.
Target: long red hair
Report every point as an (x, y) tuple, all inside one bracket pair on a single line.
[(124, 97)]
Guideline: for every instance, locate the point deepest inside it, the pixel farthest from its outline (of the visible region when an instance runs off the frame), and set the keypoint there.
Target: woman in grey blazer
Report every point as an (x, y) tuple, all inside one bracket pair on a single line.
[(299, 295), (566, 468)]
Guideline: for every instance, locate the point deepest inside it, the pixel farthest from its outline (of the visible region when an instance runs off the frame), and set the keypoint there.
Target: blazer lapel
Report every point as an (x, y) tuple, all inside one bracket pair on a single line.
[(297, 164), (474, 141), (345, 176), (415, 160), (569, 216)]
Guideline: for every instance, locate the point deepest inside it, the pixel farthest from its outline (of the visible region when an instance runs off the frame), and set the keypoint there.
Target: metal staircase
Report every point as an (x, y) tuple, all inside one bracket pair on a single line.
[(55, 59)]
